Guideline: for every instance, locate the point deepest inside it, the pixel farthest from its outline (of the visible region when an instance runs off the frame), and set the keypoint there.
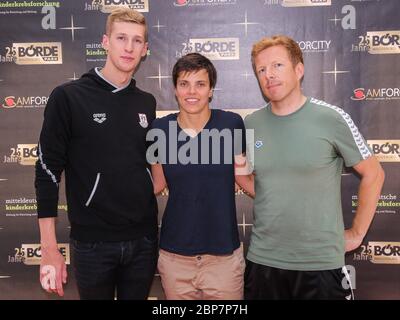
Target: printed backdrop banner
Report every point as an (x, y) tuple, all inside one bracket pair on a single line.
[(352, 60)]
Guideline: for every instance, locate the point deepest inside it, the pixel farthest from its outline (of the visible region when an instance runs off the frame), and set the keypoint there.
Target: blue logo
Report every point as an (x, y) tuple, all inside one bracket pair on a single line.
[(258, 144)]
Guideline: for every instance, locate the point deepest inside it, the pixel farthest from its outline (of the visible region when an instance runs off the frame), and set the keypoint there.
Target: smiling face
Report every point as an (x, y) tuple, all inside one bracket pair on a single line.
[(193, 91), (125, 45), (279, 79)]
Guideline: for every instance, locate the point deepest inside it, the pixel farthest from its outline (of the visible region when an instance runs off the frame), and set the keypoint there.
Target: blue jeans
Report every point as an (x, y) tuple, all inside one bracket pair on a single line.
[(105, 270)]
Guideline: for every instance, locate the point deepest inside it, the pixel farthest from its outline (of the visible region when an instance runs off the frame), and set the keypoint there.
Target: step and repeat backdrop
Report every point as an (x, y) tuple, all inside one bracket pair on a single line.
[(352, 60)]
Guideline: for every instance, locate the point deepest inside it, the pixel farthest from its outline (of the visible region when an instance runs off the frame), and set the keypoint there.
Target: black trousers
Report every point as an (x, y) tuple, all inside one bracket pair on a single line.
[(105, 270), (268, 283)]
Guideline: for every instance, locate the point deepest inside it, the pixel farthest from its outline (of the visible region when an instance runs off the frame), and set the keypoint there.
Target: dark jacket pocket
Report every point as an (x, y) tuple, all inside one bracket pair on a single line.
[(122, 197)]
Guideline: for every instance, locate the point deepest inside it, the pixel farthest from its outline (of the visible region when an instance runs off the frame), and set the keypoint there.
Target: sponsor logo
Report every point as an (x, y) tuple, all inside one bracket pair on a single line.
[(383, 42), (305, 3), (376, 94), (385, 150), (314, 45), (99, 117), (362, 45), (9, 56), (258, 144), (272, 2), (95, 52), (24, 102), (378, 42), (25, 7), (387, 204), (24, 154), (184, 3), (29, 4), (358, 94), (213, 48), (180, 3), (30, 254), (379, 252), (37, 53), (106, 6), (24, 207)]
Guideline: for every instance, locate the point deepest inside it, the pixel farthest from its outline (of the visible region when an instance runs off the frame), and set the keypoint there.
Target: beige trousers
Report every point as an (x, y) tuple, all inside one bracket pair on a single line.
[(202, 277)]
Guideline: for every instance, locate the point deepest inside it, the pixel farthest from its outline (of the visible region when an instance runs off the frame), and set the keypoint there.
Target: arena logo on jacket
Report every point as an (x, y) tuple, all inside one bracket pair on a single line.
[(99, 117)]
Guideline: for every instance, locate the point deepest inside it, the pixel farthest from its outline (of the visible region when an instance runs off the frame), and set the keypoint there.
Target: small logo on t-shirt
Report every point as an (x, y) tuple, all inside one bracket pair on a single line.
[(258, 144), (99, 117), (143, 120)]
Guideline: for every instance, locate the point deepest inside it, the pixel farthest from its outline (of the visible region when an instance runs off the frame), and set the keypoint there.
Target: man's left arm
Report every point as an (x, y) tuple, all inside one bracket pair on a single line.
[(372, 177)]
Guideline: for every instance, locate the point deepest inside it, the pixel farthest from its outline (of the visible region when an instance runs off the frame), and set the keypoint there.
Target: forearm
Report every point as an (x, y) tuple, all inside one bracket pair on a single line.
[(368, 196), (159, 182), (48, 238), (246, 182)]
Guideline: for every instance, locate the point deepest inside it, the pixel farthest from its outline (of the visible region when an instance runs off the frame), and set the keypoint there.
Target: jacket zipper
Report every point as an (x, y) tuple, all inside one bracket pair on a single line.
[(93, 190)]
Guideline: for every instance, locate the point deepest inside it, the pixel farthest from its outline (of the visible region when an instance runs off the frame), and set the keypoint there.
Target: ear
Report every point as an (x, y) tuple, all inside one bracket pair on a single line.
[(105, 42), (210, 94), (144, 50), (299, 69)]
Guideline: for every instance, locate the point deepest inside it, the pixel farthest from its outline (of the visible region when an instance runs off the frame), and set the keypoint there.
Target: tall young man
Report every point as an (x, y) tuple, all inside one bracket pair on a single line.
[(94, 130)]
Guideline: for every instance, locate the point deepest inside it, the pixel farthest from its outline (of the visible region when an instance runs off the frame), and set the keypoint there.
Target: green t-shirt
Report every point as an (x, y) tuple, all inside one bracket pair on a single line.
[(298, 160)]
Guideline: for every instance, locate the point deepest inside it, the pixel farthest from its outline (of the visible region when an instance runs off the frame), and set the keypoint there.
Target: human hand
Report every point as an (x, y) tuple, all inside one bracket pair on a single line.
[(53, 271), (352, 240)]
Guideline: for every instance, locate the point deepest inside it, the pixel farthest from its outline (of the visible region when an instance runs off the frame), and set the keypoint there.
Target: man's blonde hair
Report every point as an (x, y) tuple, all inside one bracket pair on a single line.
[(291, 46), (126, 15)]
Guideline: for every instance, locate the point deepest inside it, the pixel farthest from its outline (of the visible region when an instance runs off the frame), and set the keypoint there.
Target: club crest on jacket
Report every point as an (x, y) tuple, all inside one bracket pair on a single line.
[(143, 120)]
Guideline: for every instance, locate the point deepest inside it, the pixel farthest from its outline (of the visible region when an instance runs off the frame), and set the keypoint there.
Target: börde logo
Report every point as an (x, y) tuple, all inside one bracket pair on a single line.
[(305, 3), (376, 94), (213, 48), (380, 252), (385, 252), (9, 56), (182, 3), (32, 253), (385, 150), (383, 42), (38, 53), (24, 154), (106, 6)]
